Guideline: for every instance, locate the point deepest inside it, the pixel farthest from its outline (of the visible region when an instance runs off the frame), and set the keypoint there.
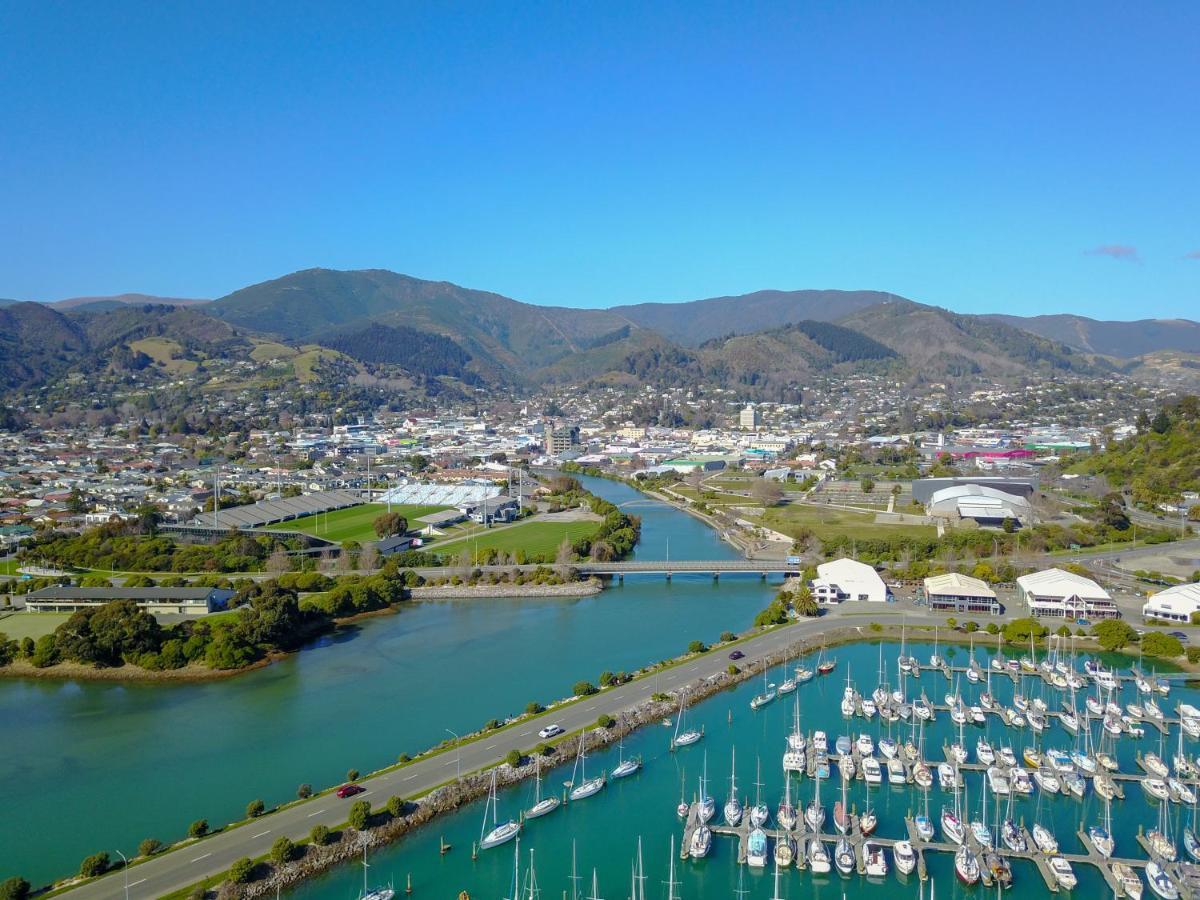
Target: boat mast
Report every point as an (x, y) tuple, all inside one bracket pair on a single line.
[(671, 882)]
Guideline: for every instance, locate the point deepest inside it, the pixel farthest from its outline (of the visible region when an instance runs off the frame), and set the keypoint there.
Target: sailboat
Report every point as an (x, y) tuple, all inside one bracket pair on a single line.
[(586, 786), (979, 827), (542, 805), (625, 767), (787, 686), (794, 759), (500, 833), (843, 856), (825, 666), (759, 812), (685, 737), (841, 812), (514, 892), (785, 851), (935, 660), (952, 826), (1101, 835), (786, 814), (379, 893), (733, 806), (531, 891), (756, 848), (707, 807), (814, 813), (767, 696), (700, 844)]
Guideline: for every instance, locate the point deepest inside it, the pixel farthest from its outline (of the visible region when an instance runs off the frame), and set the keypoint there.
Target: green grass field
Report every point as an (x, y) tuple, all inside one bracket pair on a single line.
[(535, 538), (838, 522), (19, 625), (355, 523)]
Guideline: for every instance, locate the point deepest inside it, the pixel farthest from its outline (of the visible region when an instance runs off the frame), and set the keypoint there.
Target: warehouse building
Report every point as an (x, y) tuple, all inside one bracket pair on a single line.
[(848, 579), (1056, 594), (1175, 604), (954, 592), (980, 503)]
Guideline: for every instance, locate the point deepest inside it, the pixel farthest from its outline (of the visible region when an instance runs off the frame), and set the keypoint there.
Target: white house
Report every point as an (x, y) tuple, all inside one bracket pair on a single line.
[(1064, 595), (1175, 604), (848, 579)]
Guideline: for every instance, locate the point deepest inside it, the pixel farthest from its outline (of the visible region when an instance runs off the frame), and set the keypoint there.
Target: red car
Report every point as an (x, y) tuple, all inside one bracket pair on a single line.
[(349, 790)]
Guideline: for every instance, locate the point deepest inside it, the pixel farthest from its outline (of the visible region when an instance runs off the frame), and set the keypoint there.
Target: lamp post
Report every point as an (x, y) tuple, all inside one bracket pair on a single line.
[(125, 870), (457, 756)]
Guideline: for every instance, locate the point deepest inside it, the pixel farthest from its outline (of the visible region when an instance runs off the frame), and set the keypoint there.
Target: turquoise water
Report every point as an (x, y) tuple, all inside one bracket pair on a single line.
[(96, 766), (604, 830)]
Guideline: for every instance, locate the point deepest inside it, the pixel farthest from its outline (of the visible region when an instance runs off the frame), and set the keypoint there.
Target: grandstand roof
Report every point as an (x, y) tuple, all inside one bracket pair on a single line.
[(440, 494), (268, 512)]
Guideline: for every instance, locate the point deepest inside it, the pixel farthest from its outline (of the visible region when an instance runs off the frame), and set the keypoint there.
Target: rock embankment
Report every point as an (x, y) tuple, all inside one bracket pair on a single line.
[(484, 591)]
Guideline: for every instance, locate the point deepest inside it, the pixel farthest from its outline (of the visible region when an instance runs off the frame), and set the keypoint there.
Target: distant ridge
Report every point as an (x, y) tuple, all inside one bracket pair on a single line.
[(114, 300), (1121, 339)]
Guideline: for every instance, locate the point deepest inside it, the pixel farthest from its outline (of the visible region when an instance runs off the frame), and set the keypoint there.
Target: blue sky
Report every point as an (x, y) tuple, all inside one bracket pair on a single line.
[(1006, 157)]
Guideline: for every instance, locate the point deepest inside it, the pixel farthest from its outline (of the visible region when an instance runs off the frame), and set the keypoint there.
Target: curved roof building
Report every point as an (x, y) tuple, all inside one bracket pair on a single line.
[(986, 505)]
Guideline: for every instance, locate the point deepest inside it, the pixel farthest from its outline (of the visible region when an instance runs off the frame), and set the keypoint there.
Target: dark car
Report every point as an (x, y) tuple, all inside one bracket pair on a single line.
[(737, 654), (1182, 635), (349, 790)]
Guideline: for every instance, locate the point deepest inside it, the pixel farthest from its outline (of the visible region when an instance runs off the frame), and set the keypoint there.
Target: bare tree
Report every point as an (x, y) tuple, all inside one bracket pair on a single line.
[(368, 558), (767, 491), (278, 562)]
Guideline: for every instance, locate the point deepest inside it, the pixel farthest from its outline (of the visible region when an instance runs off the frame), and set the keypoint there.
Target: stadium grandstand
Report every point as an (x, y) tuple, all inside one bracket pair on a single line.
[(270, 512), (456, 495)]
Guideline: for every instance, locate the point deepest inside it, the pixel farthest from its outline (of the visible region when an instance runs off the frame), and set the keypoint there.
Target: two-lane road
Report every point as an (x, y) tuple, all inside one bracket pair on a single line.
[(187, 865)]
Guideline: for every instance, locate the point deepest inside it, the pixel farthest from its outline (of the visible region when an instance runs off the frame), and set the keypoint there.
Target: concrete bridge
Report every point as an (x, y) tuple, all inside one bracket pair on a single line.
[(714, 567)]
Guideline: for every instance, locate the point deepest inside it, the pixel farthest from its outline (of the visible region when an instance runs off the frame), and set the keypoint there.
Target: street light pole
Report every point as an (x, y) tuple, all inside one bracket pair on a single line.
[(125, 869), (457, 757)]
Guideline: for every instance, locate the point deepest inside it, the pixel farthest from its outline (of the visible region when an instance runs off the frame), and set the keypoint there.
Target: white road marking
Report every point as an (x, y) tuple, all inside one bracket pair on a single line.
[(317, 813), (261, 833), (523, 733), (136, 883), (490, 747), (205, 856), (410, 777)]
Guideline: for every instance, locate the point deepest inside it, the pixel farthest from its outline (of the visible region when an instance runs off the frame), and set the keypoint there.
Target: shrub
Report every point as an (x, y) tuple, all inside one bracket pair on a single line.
[(242, 871), (255, 808), (96, 864), (543, 749), (731, 669), (1193, 654), (952, 622), (395, 807), (360, 815), (992, 628), (583, 688), (14, 889), (697, 647), (970, 627), (304, 791), (403, 758), (283, 850), (727, 636), (532, 708), (606, 721), (606, 678), (198, 829), (149, 847), (319, 835), (352, 775), (875, 626), (513, 758)]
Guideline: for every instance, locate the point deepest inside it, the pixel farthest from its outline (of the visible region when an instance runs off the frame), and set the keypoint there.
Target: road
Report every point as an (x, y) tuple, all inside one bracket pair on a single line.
[(187, 865)]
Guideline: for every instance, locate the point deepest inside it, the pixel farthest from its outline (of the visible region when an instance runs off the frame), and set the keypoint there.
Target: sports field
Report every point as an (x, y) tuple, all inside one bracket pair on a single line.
[(830, 523), (534, 538), (354, 523)]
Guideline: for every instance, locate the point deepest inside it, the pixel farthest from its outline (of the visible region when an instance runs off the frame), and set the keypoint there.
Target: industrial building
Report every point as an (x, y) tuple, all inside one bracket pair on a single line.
[(954, 592), (848, 579), (980, 503), (1175, 604), (923, 489), (1055, 594), (190, 601)]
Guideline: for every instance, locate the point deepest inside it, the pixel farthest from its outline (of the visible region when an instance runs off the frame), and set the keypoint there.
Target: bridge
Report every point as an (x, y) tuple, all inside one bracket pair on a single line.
[(714, 567)]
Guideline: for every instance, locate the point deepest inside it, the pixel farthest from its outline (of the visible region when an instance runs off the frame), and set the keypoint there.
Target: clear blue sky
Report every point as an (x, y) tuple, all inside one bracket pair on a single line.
[(1021, 157)]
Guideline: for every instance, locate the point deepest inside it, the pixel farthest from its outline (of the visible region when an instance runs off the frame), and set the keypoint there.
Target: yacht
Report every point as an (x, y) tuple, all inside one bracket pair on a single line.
[(952, 826), (625, 767), (1181, 793), (984, 752), (998, 782), (1161, 845), (759, 812), (756, 848), (1160, 882), (379, 893), (1013, 837), (1156, 788), (1020, 782), (924, 826), (1032, 757), (501, 832), (786, 815), (1007, 757), (1128, 879), (1104, 786), (803, 674), (814, 813), (875, 860), (866, 747), (843, 856), (1047, 781), (922, 777), (896, 773), (905, 856), (872, 773), (868, 707), (948, 776), (785, 851), (1154, 765), (1073, 784), (1044, 840), (1102, 840), (684, 737), (733, 806), (1063, 873), (541, 805), (888, 748)]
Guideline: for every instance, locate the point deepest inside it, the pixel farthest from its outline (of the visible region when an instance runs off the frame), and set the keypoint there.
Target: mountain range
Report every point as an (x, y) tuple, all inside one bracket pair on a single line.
[(765, 343)]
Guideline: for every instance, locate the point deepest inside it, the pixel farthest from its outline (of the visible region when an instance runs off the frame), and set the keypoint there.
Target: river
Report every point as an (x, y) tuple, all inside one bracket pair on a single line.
[(90, 766)]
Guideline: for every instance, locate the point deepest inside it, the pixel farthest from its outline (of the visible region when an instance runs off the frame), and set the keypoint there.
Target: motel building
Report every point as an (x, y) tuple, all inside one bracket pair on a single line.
[(1175, 604), (1056, 594), (958, 593)]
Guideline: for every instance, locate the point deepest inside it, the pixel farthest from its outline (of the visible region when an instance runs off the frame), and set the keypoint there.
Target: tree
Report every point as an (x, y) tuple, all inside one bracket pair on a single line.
[(1111, 511), (352, 774), (279, 561), (583, 689), (96, 864), (1113, 634), (198, 829), (1157, 643), (513, 758), (1009, 525), (360, 815), (14, 888), (605, 721), (149, 847), (867, 485), (368, 558), (697, 647), (1063, 631), (767, 491), (304, 791), (319, 835), (283, 850), (242, 871), (395, 806), (390, 524), (1161, 423), (255, 808)]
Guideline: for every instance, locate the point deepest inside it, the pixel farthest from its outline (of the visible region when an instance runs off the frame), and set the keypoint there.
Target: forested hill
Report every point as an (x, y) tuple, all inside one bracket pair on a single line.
[(1160, 462)]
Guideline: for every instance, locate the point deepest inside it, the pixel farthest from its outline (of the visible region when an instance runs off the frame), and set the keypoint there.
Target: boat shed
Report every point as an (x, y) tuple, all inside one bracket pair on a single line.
[(954, 592), (1175, 604), (190, 601)]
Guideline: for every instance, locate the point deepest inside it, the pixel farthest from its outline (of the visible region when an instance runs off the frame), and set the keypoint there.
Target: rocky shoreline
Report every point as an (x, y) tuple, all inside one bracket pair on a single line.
[(584, 588)]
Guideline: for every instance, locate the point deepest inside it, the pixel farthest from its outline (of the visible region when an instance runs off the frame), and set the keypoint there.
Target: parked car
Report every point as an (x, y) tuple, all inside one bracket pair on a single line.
[(1182, 635), (550, 731), (737, 654), (349, 790)]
